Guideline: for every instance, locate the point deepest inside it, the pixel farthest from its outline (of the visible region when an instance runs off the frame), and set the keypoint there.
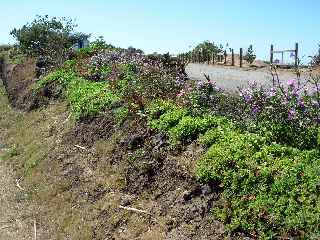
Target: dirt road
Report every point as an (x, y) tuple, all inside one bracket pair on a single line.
[(232, 77)]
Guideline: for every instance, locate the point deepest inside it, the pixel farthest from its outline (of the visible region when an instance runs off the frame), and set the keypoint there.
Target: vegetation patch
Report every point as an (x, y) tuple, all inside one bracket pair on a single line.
[(89, 98), (268, 189)]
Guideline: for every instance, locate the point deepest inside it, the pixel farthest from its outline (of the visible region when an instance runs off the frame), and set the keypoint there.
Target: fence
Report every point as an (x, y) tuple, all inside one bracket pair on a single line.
[(221, 57), (218, 58), (282, 52)]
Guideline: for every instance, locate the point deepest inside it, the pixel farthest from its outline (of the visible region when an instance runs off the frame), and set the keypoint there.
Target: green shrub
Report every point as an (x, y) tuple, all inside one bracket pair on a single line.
[(85, 52), (159, 107), (88, 98), (48, 38), (178, 124), (59, 78), (167, 120), (214, 135), (267, 189), (121, 114), (190, 127)]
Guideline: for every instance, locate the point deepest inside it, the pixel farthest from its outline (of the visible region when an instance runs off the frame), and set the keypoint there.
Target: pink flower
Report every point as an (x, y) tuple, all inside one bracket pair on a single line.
[(181, 93), (290, 82)]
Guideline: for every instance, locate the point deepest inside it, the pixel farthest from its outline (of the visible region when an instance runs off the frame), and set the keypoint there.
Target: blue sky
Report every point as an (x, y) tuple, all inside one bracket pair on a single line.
[(175, 25)]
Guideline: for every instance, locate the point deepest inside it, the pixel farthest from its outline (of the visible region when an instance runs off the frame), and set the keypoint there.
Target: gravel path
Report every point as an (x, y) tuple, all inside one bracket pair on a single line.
[(232, 77)]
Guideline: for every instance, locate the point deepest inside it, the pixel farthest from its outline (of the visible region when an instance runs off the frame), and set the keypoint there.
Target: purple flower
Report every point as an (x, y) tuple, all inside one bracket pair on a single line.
[(247, 98), (255, 110), (290, 82), (291, 114), (272, 92), (219, 89), (200, 83)]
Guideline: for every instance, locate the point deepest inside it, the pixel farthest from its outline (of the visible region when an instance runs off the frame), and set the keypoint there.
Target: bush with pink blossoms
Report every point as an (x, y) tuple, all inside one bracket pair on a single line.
[(287, 114)]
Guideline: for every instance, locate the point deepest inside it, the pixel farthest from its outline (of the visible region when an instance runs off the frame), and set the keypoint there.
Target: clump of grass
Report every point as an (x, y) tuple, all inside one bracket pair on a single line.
[(12, 152)]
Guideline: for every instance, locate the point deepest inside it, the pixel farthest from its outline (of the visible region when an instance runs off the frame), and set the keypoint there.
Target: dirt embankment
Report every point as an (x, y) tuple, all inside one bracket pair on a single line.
[(18, 79), (96, 180)]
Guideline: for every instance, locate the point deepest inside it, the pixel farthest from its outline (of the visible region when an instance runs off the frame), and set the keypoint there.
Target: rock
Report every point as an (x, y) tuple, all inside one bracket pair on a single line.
[(135, 141), (126, 200), (206, 189)]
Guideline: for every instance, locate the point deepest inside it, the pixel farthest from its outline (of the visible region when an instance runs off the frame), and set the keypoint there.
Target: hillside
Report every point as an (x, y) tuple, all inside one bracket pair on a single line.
[(115, 144), (82, 178)]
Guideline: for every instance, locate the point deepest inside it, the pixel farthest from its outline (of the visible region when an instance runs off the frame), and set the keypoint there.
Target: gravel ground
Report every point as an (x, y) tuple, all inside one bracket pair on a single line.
[(232, 77)]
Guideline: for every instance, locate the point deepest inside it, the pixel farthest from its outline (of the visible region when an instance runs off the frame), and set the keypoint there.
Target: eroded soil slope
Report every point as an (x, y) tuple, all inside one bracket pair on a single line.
[(94, 179)]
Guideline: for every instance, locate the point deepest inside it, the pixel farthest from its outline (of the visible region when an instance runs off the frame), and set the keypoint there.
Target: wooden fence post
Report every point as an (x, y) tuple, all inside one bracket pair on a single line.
[(241, 53), (296, 58), (271, 54), (232, 57)]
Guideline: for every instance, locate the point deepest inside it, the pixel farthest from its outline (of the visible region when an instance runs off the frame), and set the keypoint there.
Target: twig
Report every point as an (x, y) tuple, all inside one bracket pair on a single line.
[(67, 119), (18, 185), (35, 229), (78, 146), (4, 227), (134, 210)]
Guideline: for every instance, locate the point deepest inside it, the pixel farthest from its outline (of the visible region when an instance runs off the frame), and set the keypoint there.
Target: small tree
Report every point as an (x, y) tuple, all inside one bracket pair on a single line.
[(206, 49), (250, 56), (47, 38), (315, 60)]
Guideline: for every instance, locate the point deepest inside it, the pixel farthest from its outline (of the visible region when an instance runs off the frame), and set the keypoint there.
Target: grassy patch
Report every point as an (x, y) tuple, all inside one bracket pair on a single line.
[(58, 78), (12, 152), (85, 97), (89, 98)]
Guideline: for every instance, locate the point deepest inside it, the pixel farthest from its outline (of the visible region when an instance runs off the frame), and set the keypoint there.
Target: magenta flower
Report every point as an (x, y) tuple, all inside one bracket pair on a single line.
[(290, 82)]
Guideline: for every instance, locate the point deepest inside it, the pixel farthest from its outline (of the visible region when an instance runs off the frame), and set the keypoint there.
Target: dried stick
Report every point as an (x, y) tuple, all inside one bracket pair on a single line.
[(134, 210), (18, 185), (78, 146), (35, 229)]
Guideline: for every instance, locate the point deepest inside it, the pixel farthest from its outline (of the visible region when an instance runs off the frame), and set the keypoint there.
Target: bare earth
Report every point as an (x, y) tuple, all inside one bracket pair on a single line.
[(232, 77)]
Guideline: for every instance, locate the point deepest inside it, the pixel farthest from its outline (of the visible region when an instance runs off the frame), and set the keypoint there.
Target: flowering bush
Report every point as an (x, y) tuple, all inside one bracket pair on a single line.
[(287, 114), (201, 96)]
